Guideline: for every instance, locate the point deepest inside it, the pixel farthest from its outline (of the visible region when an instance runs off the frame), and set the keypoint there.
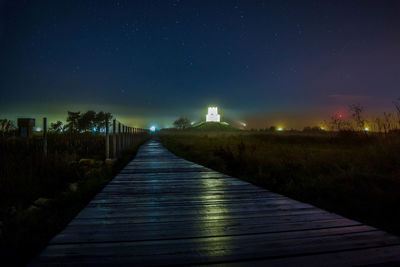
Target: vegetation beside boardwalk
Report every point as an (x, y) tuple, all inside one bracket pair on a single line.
[(40, 195), (352, 173)]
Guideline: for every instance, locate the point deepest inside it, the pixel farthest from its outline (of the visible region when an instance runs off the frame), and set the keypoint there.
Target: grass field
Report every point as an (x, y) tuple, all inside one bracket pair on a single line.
[(355, 175), (40, 195)]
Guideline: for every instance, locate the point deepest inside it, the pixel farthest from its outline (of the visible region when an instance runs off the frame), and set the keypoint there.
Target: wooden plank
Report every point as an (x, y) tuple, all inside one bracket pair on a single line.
[(164, 210), (133, 212), (182, 199), (154, 202), (201, 206), (382, 256), (259, 218), (181, 230), (218, 249), (152, 218)]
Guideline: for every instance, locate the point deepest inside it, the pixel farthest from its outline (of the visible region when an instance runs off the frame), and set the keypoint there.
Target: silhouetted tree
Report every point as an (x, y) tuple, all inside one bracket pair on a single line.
[(387, 122), (357, 111), (72, 121), (101, 119), (56, 126), (182, 123), (86, 121), (6, 126), (338, 123), (397, 106), (314, 129)]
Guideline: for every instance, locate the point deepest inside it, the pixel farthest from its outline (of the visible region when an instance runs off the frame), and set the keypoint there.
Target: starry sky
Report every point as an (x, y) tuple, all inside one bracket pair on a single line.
[(148, 62)]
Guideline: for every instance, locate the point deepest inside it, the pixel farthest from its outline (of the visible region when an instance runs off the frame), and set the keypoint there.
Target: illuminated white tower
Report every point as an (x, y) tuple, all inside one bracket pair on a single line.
[(212, 114)]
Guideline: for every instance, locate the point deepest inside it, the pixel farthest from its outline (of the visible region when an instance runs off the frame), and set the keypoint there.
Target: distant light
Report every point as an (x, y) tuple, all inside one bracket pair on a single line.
[(366, 129), (322, 129), (280, 129), (153, 129), (38, 129), (244, 124), (192, 123)]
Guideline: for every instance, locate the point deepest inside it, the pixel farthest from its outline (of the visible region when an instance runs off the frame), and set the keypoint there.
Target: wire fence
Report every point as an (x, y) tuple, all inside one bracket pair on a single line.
[(120, 137), (105, 144)]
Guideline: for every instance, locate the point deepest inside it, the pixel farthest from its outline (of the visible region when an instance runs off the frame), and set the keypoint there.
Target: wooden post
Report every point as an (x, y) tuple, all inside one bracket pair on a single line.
[(122, 137), (119, 138), (133, 135), (114, 139), (107, 141), (130, 136), (45, 137), (125, 136)]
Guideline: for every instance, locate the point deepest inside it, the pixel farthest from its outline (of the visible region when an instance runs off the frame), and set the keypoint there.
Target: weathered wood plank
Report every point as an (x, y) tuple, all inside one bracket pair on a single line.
[(257, 219), (153, 218), (382, 256), (219, 249), (164, 210), (181, 230)]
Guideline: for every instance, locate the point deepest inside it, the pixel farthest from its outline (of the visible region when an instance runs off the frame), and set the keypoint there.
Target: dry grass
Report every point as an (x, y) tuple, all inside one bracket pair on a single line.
[(356, 175)]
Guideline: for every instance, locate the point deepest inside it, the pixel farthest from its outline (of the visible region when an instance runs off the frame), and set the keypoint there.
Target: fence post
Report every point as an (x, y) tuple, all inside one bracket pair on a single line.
[(119, 138), (45, 137), (107, 141), (114, 140), (130, 136), (125, 137), (122, 137), (133, 135)]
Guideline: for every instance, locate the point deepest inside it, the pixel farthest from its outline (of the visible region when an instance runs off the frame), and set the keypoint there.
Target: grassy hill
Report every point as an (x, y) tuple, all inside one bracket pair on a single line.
[(203, 128), (212, 126)]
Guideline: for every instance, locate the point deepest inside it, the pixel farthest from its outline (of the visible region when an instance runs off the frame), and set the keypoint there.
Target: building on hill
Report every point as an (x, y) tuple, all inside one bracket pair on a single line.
[(212, 115)]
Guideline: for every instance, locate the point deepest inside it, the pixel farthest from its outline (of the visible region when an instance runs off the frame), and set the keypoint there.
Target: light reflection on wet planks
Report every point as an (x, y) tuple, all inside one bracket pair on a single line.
[(163, 210)]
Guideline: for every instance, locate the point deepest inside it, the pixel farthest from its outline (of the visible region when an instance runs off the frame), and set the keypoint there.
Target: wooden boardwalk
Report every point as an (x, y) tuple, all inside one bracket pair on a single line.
[(164, 210)]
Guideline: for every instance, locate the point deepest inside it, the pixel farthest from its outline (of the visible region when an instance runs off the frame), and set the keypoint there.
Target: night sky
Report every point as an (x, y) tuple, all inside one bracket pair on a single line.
[(261, 62)]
